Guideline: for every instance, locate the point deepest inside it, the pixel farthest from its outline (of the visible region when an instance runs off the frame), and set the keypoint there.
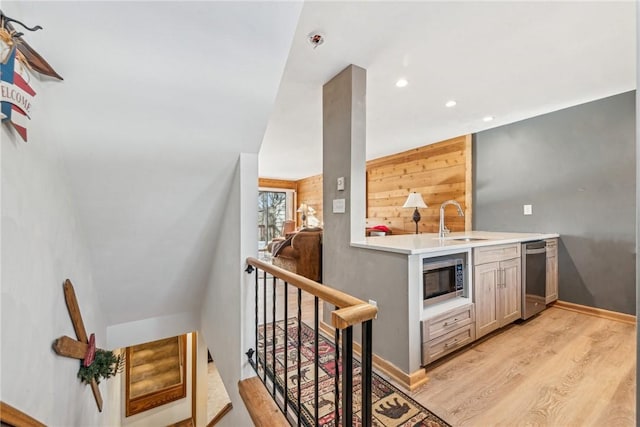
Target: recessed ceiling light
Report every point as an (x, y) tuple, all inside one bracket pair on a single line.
[(487, 118), (402, 83), (450, 104)]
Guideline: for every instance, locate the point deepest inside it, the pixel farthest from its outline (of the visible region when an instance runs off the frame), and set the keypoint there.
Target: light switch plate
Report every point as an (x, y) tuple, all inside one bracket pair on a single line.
[(528, 210), (338, 206), (341, 183)]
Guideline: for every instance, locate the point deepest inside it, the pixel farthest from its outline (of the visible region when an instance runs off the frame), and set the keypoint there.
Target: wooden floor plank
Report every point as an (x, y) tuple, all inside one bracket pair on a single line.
[(560, 368)]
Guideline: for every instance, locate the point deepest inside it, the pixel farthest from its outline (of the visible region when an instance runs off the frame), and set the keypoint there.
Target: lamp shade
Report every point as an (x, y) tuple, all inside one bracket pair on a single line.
[(414, 201)]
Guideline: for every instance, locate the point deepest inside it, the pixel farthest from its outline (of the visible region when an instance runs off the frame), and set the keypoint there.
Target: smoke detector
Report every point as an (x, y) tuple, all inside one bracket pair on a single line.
[(315, 39)]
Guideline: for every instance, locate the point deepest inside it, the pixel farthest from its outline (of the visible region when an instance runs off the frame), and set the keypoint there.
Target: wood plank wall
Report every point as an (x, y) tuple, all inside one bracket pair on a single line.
[(277, 183), (310, 192), (439, 171)]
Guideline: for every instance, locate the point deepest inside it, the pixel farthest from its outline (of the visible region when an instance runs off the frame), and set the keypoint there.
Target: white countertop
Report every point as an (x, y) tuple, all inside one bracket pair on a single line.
[(430, 243)]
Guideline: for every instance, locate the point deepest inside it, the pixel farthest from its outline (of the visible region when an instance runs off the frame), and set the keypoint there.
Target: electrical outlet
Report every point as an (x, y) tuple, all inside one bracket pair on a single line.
[(375, 304), (528, 210)]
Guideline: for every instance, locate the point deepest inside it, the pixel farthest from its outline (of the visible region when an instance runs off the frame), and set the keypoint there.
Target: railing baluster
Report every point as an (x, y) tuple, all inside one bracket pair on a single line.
[(273, 332), (347, 377), (264, 325), (336, 396), (343, 363), (256, 308), (365, 410), (299, 355), (286, 347), (316, 361)]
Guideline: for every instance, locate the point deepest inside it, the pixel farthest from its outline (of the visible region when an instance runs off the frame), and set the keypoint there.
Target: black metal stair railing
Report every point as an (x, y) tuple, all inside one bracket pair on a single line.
[(273, 360)]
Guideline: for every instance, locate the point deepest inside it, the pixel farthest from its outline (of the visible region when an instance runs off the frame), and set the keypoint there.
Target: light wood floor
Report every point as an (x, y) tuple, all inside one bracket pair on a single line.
[(558, 369)]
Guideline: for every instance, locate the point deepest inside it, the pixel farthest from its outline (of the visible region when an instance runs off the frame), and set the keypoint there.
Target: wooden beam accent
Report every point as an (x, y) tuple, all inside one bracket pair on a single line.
[(224, 411), (96, 394), (277, 183), (261, 407), (74, 311), (325, 293), (68, 347), (16, 418), (597, 312)]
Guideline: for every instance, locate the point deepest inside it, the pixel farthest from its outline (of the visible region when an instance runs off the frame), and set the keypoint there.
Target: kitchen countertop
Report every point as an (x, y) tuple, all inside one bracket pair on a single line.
[(424, 243)]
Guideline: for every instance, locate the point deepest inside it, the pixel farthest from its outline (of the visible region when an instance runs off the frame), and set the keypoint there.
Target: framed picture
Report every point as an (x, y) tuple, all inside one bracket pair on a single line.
[(156, 374)]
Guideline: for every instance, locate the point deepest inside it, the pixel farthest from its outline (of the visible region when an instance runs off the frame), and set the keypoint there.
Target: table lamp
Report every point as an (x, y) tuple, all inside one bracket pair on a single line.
[(414, 200)]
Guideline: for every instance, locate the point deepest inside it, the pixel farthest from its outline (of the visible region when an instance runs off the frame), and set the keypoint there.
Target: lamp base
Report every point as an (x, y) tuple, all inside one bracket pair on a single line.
[(416, 218)]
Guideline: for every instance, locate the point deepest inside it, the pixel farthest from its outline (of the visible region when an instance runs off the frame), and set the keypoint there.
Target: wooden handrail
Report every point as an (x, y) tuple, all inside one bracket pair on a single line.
[(345, 317), (14, 417), (351, 310)]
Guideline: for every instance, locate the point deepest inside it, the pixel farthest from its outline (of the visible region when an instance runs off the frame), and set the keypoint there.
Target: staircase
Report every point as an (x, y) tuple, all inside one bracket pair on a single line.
[(154, 366)]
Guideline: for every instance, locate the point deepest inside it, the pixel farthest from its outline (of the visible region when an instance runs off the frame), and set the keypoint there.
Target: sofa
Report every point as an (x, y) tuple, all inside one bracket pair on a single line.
[(301, 253)]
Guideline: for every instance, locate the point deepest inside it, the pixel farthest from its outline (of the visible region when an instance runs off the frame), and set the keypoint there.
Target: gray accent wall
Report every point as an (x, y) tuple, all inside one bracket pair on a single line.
[(365, 274), (577, 167)]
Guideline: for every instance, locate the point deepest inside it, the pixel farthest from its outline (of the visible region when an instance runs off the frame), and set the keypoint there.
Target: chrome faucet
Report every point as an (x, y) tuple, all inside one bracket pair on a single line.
[(444, 230)]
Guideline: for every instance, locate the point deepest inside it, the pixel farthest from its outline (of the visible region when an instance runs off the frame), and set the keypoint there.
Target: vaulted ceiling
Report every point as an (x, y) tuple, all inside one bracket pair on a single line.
[(157, 102), (510, 60), (159, 98)]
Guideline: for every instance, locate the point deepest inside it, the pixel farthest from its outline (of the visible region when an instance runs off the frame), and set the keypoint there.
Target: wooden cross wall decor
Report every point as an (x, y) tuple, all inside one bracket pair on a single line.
[(83, 348)]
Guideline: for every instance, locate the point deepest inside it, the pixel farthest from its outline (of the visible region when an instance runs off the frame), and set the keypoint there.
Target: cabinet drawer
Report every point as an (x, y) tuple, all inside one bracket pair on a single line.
[(487, 254), (446, 322), (438, 347)]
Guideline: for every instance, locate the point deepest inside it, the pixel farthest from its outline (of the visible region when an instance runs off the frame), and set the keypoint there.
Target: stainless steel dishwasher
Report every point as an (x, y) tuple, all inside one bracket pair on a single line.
[(534, 277)]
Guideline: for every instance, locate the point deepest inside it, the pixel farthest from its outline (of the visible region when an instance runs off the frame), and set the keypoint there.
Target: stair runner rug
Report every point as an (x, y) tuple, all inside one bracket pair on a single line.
[(391, 407)]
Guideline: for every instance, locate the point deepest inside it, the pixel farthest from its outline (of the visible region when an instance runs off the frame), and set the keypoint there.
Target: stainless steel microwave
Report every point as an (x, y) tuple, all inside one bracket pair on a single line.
[(443, 278)]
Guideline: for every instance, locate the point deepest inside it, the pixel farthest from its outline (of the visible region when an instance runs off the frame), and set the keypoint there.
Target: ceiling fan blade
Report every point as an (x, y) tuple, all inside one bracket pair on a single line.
[(74, 312)]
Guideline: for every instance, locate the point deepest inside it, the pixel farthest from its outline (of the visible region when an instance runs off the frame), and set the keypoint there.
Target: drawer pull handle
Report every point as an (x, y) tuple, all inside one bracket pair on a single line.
[(449, 344), (447, 322)]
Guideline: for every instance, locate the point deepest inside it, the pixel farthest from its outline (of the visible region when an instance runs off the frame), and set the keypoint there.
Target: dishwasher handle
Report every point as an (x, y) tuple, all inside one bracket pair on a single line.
[(535, 251), (535, 247)]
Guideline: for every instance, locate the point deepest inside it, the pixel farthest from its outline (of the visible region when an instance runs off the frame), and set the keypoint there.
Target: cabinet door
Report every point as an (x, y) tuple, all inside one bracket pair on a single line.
[(552, 272), (485, 282), (510, 291)]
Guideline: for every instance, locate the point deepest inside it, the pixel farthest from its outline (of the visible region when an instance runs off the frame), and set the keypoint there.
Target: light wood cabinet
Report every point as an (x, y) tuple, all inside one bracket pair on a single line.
[(446, 332), (497, 287), (552, 271)]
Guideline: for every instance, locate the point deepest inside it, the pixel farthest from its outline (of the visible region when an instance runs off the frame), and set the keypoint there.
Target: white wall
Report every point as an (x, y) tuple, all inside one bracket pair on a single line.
[(133, 333), (228, 297), (42, 245)]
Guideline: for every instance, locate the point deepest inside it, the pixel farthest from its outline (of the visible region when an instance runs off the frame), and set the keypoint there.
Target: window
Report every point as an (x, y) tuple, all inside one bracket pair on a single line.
[(272, 212)]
